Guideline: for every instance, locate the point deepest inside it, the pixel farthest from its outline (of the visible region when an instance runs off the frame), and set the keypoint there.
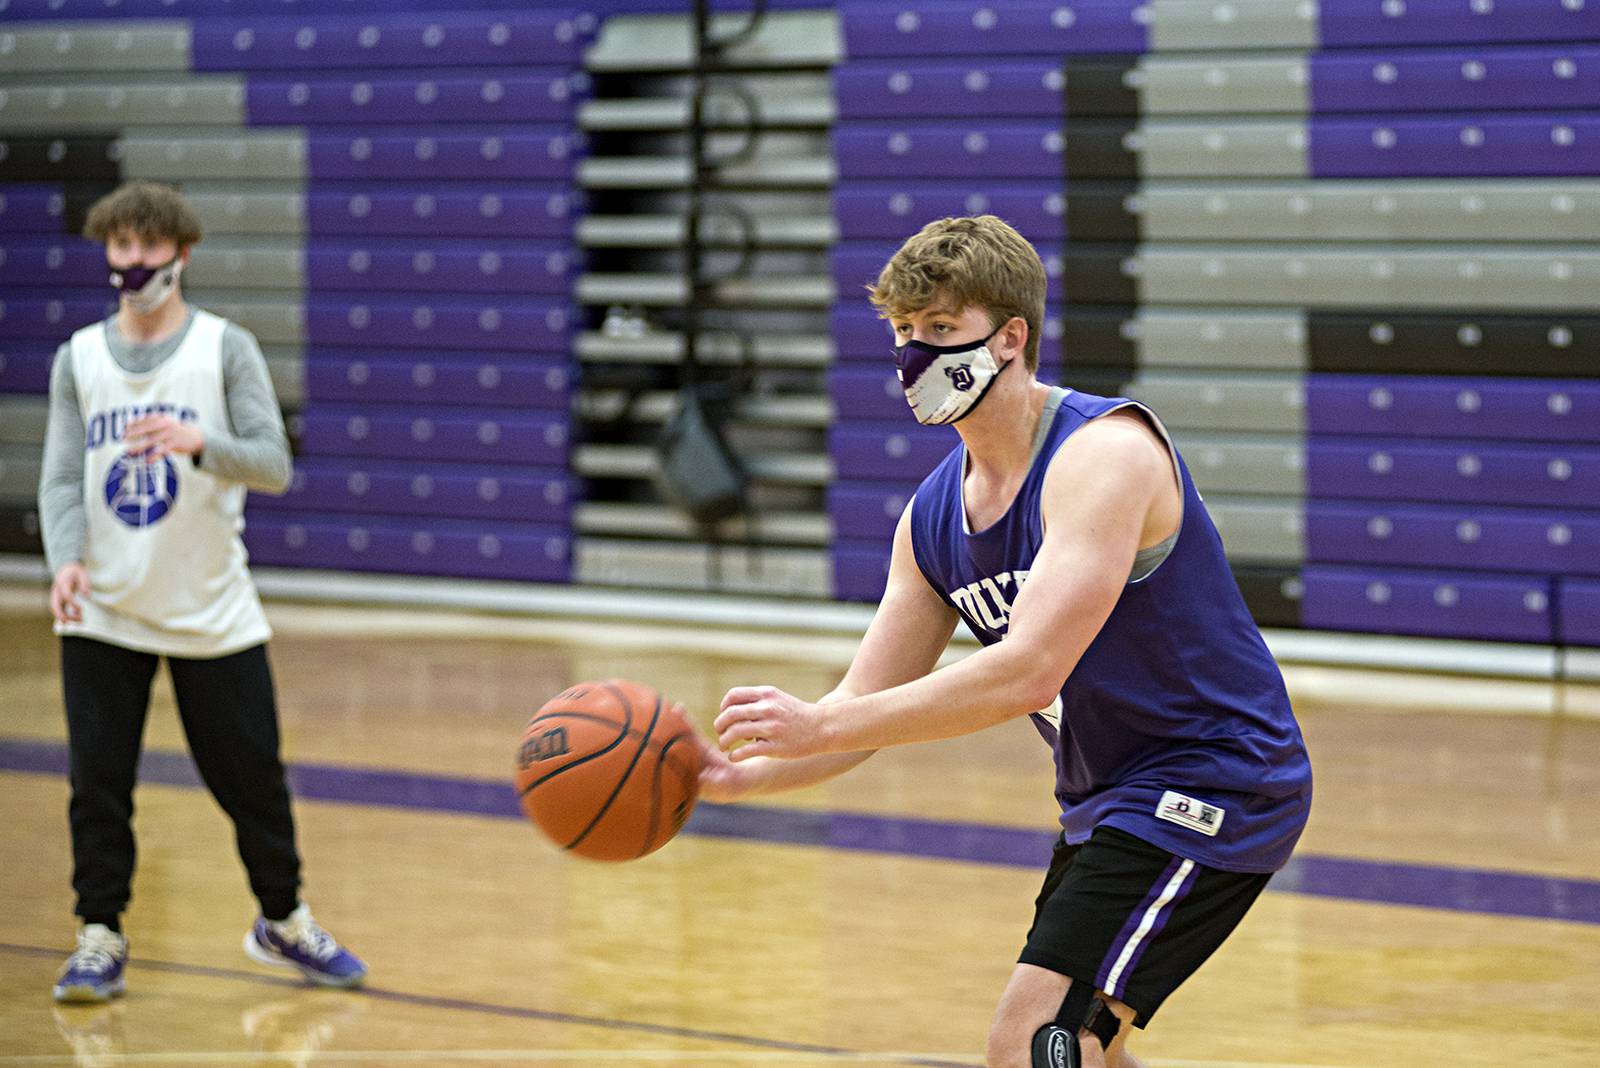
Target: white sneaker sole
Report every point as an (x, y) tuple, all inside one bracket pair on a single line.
[(262, 955), (89, 995)]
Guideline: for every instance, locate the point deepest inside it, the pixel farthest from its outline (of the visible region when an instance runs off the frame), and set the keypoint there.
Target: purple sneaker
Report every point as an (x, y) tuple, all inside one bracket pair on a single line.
[(299, 943), (94, 971)]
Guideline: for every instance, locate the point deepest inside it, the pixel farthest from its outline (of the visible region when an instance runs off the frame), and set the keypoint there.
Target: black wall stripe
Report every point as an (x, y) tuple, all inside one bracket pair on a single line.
[(1095, 337), (59, 159), (1377, 342), (1272, 594), (1098, 149), (1098, 211), (1099, 86), (19, 530), (1092, 273)]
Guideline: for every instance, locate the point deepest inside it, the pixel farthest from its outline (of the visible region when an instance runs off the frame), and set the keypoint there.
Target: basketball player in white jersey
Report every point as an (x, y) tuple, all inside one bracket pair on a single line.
[(160, 418)]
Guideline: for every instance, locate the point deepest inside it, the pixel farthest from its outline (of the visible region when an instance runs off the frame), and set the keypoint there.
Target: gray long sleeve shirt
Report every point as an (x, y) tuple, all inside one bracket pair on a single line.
[(255, 452)]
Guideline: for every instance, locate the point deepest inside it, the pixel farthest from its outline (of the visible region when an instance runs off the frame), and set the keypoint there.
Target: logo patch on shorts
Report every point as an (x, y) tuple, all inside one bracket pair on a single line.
[(1191, 813)]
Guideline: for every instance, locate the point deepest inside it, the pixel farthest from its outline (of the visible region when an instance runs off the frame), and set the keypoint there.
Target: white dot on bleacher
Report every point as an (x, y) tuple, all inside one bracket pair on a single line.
[(359, 261), (1224, 13), (1559, 404), (422, 263), (1534, 601), (1562, 204), (1134, 79), (359, 316), (1394, 8), (1055, 204), (1559, 534), (1132, 142), (896, 446), (1383, 205), (1055, 80), (1472, 136), (360, 206), (305, 38), (1472, 205), (1473, 71), (1383, 137), (555, 379), (499, 34), (1469, 400), (489, 320), (422, 486), (1380, 399), (488, 376), (1383, 269), (1213, 268), (1572, 5), (1560, 337), (299, 94), (423, 207), (427, 92), (1563, 136), (495, 91), (1564, 68), (1216, 205), (1469, 335), (489, 488), (358, 483), (899, 144), (361, 148), (1380, 526), (244, 40), (422, 429), (566, 31), (492, 148), (1215, 141), (433, 35), (358, 373), (907, 22), (422, 318), (1131, 267), (1561, 271), (1062, 18), (984, 18), (422, 543), (294, 536), (361, 94), (555, 320), (1483, 7), (122, 42), (1299, 205), (489, 263), (1469, 466), (1295, 268), (359, 539), (489, 547), (555, 436), (976, 81), (368, 37), (357, 428), (489, 206), (488, 434), (1469, 269), (426, 148), (558, 149), (1446, 596), (1216, 76), (1379, 592), (901, 204), (1381, 333), (1560, 470), (1053, 143)]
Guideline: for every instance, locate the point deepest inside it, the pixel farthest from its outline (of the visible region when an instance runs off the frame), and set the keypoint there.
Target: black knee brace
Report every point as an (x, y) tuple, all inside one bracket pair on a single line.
[(1055, 1045)]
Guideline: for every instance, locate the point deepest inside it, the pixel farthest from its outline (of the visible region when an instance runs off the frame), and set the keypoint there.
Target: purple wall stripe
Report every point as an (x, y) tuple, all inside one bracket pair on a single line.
[(1350, 878)]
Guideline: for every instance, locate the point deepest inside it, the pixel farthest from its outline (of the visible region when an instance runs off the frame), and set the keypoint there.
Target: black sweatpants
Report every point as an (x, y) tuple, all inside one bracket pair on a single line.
[(230, 716)]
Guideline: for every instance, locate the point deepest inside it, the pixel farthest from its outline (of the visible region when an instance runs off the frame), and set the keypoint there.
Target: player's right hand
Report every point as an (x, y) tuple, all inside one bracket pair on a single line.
[(721, 780), (71, 582)]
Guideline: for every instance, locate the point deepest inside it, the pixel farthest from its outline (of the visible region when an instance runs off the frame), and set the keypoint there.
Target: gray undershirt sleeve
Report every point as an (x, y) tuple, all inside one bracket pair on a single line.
[(256, 453), (62, 523)]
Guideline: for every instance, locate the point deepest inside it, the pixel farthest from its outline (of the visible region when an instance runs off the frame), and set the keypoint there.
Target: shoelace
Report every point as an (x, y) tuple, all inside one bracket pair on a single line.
[(310, 937), (95, 957)]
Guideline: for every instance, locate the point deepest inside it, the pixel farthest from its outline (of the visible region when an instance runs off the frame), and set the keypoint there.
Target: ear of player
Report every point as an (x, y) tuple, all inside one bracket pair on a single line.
[(1055, 1045)]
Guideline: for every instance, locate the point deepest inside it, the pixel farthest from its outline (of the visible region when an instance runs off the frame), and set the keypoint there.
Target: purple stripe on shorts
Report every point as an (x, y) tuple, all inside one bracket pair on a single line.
[(1134, 919), (1156, 928)]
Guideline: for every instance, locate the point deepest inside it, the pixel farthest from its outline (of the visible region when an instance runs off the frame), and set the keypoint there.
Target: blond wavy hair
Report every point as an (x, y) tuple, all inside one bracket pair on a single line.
[(974, 261), (154, 212)]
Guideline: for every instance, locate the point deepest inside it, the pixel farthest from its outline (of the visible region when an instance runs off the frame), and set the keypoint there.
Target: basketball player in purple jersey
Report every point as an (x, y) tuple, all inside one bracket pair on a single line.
[(1065, 531)]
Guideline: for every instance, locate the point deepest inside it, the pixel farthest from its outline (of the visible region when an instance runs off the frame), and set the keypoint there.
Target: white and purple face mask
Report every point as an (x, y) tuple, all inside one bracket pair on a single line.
[(146, 287), (943, 383)]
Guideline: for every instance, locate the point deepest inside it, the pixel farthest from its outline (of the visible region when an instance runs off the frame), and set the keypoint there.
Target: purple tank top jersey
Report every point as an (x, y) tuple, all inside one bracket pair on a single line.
[(1174, 726)]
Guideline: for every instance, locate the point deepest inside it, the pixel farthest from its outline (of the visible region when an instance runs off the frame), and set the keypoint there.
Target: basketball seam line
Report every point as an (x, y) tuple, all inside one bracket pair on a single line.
[(626, 775)]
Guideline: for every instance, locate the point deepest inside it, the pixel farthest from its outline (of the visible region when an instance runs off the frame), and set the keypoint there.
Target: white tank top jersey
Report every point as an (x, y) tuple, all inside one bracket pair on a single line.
[(165, 559)]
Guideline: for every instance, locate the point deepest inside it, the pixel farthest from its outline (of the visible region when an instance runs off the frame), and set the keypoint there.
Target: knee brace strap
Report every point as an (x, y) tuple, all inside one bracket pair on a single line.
[(1055, 1045)]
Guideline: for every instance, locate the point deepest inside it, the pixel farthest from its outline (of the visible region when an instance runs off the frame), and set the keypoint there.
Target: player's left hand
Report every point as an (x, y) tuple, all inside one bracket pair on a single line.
[(770, 723), (154, 436)]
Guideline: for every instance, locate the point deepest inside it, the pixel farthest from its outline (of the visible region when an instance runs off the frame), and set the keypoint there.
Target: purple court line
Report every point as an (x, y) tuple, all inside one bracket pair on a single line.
[(489, 1008), (1423, 885)]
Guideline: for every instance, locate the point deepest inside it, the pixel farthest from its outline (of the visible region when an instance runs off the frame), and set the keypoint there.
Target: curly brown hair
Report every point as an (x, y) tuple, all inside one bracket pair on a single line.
[(152, 211), (977, 261)]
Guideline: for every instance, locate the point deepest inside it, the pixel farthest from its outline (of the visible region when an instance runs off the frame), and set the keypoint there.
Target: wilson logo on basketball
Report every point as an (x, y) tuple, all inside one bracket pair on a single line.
[(552, 743)]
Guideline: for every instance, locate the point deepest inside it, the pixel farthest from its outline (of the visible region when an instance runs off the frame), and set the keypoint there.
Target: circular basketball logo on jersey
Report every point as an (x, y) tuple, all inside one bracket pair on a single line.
[(139, 491)]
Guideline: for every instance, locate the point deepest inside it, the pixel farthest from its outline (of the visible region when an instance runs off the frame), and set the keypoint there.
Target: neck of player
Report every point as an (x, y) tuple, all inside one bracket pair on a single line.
[(158, 324), (998, 434)]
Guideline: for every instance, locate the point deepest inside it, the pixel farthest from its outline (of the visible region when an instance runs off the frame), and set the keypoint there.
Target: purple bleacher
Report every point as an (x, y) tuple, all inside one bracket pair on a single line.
[(888, 452), (855, 264), (25, 366), (922, 149), (1579, 612), (32, 208), (353, 378), (498, 435), (460, 548), (453, 267), (501, 211), (454, 39), (1454, 472), (482, 154), (387, 488), (1454, 407), (499, 96), (173, 9), (1355, 23), (25, 315), (868, 393), (896, 210), (1474, 539), (1482, 79), (984, 87), (53, 263), (860, 570), (1460, 146), (868, 510), (1441, 604), (939, 27), (483, 324)]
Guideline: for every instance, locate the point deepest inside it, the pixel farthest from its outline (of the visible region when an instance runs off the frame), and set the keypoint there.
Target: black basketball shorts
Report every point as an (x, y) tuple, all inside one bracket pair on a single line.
[(1133, 919)]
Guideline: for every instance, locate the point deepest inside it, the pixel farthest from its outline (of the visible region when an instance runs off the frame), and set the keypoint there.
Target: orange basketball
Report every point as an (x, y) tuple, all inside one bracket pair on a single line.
[(608, 770)]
